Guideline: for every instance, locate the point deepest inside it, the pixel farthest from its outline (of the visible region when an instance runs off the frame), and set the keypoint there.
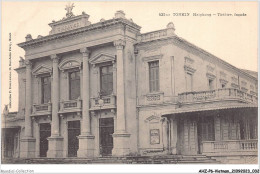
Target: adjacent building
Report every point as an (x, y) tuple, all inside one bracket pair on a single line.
[(89, 90)]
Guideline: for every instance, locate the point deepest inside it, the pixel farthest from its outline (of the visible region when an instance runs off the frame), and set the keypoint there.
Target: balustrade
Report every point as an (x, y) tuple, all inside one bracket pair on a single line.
[(71, 105), (229, 146), (219, 94), (108, 102), (39, 109)]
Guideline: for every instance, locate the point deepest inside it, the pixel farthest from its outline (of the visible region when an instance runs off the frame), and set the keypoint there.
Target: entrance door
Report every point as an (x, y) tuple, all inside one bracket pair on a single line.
[(73, 141), (45, 132), (187, 136), (206, 131), (106, 129), (9, 146)]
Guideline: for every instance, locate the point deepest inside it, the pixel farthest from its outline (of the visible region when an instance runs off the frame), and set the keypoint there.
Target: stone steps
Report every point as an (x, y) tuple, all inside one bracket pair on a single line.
[(167, 159)]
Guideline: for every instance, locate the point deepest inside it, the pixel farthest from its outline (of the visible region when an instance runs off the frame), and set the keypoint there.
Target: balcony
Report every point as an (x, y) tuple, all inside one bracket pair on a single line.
[(157, 98), (70, 106), (109, 102), (235, 147), (218, 94), (41, 109)]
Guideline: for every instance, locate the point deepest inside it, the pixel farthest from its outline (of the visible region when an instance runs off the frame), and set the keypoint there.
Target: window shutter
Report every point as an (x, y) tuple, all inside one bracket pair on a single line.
[(106, 79), (154, 76), (74, 78)]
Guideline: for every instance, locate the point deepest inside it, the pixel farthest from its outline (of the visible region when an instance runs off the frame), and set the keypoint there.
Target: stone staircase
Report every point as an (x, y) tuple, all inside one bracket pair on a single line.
[(165, 159)]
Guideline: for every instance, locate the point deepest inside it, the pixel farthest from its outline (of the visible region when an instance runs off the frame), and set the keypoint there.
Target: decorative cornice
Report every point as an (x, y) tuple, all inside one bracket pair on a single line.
[(189, 69), (99, 25), (223, 81), (20, 69), (189, 45), (154, 44), (210, 75), (151, 58)]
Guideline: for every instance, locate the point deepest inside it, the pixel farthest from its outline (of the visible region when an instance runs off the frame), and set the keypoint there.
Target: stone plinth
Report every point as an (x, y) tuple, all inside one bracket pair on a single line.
[(86, 146), (121, 144), (55, 147), (27, 148)]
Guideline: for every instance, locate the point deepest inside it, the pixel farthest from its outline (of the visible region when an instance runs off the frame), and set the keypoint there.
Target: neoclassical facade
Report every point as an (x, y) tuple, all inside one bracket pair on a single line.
[(89, 90)]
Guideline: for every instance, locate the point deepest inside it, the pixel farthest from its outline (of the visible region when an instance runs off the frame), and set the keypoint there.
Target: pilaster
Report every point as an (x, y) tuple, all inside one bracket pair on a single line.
[(28, 123), (55, 129), (121, 138), (55, 141), (86, 139), (28, 142)]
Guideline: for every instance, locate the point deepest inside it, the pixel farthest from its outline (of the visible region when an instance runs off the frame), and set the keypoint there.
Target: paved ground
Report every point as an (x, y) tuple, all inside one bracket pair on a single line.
[(167, 159)]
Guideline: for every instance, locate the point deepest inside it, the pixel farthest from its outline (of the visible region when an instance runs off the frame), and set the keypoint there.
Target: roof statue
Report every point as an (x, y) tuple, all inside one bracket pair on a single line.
[(69, 8)]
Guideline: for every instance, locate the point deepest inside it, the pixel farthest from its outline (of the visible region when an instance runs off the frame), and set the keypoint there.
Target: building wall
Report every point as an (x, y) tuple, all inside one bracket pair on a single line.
[(142, 115), (172, 60), (172, 72)]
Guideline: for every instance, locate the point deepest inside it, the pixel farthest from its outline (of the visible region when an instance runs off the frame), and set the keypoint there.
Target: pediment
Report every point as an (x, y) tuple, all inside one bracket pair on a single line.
[(42, 69), (102, 58), (189, 69), (211, 76), (153, 119), (69, 64)]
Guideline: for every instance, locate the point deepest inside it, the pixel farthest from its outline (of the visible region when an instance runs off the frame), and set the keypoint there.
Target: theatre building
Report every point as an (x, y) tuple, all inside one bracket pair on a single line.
[(106, 89)]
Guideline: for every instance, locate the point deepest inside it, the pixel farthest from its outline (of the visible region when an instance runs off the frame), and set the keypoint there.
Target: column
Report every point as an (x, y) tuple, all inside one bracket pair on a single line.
[(174, 135), (28, 98), (217, 128), (185, 137), (121, 137), (55, 141), (165, 135), (28, 142), (86, 139)]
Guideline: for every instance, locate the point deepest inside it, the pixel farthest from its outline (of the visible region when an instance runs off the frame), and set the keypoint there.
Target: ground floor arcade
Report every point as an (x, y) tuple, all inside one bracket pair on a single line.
[(216, 133)]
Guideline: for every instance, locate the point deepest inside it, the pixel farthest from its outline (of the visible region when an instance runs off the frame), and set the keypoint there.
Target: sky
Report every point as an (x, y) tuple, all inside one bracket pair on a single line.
[(231, 38)]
